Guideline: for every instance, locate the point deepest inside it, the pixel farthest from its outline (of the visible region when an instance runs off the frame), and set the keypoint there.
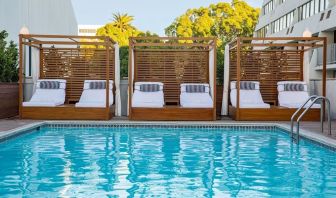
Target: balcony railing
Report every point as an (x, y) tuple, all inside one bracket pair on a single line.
[(331, 55)]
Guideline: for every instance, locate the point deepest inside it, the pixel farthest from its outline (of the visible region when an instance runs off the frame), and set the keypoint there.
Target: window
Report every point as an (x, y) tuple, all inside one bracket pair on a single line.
[(262, 32), (268, 7), (282, 22), (311, 8)]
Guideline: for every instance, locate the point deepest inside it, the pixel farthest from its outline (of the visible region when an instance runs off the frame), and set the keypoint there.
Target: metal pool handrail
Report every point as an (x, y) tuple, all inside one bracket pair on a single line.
[(315, 98)]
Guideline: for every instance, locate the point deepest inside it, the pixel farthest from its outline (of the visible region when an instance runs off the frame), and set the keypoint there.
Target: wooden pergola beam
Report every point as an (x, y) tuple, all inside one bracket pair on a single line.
[(280, 45), (281, 38), (68, 43), (170, 45), (175, 38)]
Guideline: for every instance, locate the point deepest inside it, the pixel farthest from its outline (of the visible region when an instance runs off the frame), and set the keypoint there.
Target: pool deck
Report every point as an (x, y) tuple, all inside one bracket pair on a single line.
[(10, 126)]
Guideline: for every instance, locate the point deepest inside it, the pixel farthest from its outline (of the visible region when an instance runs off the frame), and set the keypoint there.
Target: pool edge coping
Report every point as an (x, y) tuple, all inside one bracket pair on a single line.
[(315, 137)]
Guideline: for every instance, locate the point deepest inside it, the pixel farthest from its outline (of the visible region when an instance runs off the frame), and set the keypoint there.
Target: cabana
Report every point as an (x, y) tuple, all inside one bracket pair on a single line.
[(73, 62), (172, 64), (263, 64)]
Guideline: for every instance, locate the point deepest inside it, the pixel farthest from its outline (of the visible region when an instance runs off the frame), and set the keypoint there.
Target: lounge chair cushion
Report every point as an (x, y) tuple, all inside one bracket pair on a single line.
[(195, 95), (196, 100), (248, 98), (147, 99), (47, 97), (293, 99), (95, 96)]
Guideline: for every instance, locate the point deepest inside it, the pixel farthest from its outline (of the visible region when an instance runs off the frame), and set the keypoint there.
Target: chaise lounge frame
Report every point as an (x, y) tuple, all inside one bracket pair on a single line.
[(172, 61)]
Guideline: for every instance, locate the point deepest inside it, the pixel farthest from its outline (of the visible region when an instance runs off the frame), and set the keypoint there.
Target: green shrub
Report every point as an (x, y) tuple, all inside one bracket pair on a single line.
[(123, 61), (8, 59)]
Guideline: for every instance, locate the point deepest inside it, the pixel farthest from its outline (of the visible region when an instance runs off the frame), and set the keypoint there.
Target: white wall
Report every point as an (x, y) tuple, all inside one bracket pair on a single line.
[(313, 23), (40, 16), (316, 88)]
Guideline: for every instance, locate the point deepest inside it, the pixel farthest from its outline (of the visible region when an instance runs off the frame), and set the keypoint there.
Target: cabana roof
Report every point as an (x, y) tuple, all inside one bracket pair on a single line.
[(270, 60)]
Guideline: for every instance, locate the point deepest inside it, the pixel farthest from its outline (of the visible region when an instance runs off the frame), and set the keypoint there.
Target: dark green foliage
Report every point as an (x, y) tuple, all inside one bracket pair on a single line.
[(123, 61), (8, 59)]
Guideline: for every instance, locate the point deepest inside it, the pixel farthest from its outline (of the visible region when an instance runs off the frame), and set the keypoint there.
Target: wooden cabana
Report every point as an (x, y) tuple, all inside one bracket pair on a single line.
[(74, 59), (268, 61), (172, 61)]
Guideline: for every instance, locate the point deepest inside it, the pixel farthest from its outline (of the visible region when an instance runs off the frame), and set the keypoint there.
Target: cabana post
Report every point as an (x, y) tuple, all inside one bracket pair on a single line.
[(74, 59), (269, 61), (174, 62)]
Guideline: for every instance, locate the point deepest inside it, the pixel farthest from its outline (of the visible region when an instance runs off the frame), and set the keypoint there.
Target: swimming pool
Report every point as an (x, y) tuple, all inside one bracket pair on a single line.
[(164, 161)]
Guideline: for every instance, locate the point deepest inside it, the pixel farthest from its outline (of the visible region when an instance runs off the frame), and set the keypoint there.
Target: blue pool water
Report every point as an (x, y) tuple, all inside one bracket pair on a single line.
[(164, 162)]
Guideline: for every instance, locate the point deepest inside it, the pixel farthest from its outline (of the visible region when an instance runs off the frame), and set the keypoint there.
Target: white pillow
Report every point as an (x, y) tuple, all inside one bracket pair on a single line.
[(234, 86), (281, 85), (183, 86), (137, 85), (87, 83)]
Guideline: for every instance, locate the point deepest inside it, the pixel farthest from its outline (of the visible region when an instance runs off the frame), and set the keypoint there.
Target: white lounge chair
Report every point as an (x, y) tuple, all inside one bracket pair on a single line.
[(94, 94), (49, 93), (148, 94), (293, 94), (250, 96), (195, 95)]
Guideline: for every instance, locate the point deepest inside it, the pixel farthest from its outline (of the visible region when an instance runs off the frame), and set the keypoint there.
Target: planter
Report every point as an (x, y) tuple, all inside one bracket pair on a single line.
[(9, 100)]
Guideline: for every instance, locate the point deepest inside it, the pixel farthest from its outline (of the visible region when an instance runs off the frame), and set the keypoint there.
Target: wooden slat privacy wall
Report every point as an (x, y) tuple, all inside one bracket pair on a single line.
[(75, 66), (172, 68), (267, 67)]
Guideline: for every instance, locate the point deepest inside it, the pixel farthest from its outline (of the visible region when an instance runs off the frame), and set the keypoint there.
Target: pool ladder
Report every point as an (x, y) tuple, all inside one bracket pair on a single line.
[(314, 99)]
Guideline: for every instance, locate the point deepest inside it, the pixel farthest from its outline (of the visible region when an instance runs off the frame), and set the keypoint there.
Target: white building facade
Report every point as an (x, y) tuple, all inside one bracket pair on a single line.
[(36, 17), (39, 16), (297, 18)]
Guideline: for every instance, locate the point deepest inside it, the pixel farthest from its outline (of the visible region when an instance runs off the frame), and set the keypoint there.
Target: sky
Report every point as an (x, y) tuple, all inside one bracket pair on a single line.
[(152, 15)]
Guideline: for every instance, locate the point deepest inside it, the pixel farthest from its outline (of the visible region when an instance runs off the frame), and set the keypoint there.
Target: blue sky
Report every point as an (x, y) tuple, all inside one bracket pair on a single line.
[(152, 15)]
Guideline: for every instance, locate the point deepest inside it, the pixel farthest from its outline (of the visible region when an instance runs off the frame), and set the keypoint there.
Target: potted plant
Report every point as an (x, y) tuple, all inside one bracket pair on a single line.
[(9, 88)]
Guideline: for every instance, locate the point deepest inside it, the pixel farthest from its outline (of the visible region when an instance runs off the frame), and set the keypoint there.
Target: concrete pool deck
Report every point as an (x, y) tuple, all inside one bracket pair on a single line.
[(9, 127)]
